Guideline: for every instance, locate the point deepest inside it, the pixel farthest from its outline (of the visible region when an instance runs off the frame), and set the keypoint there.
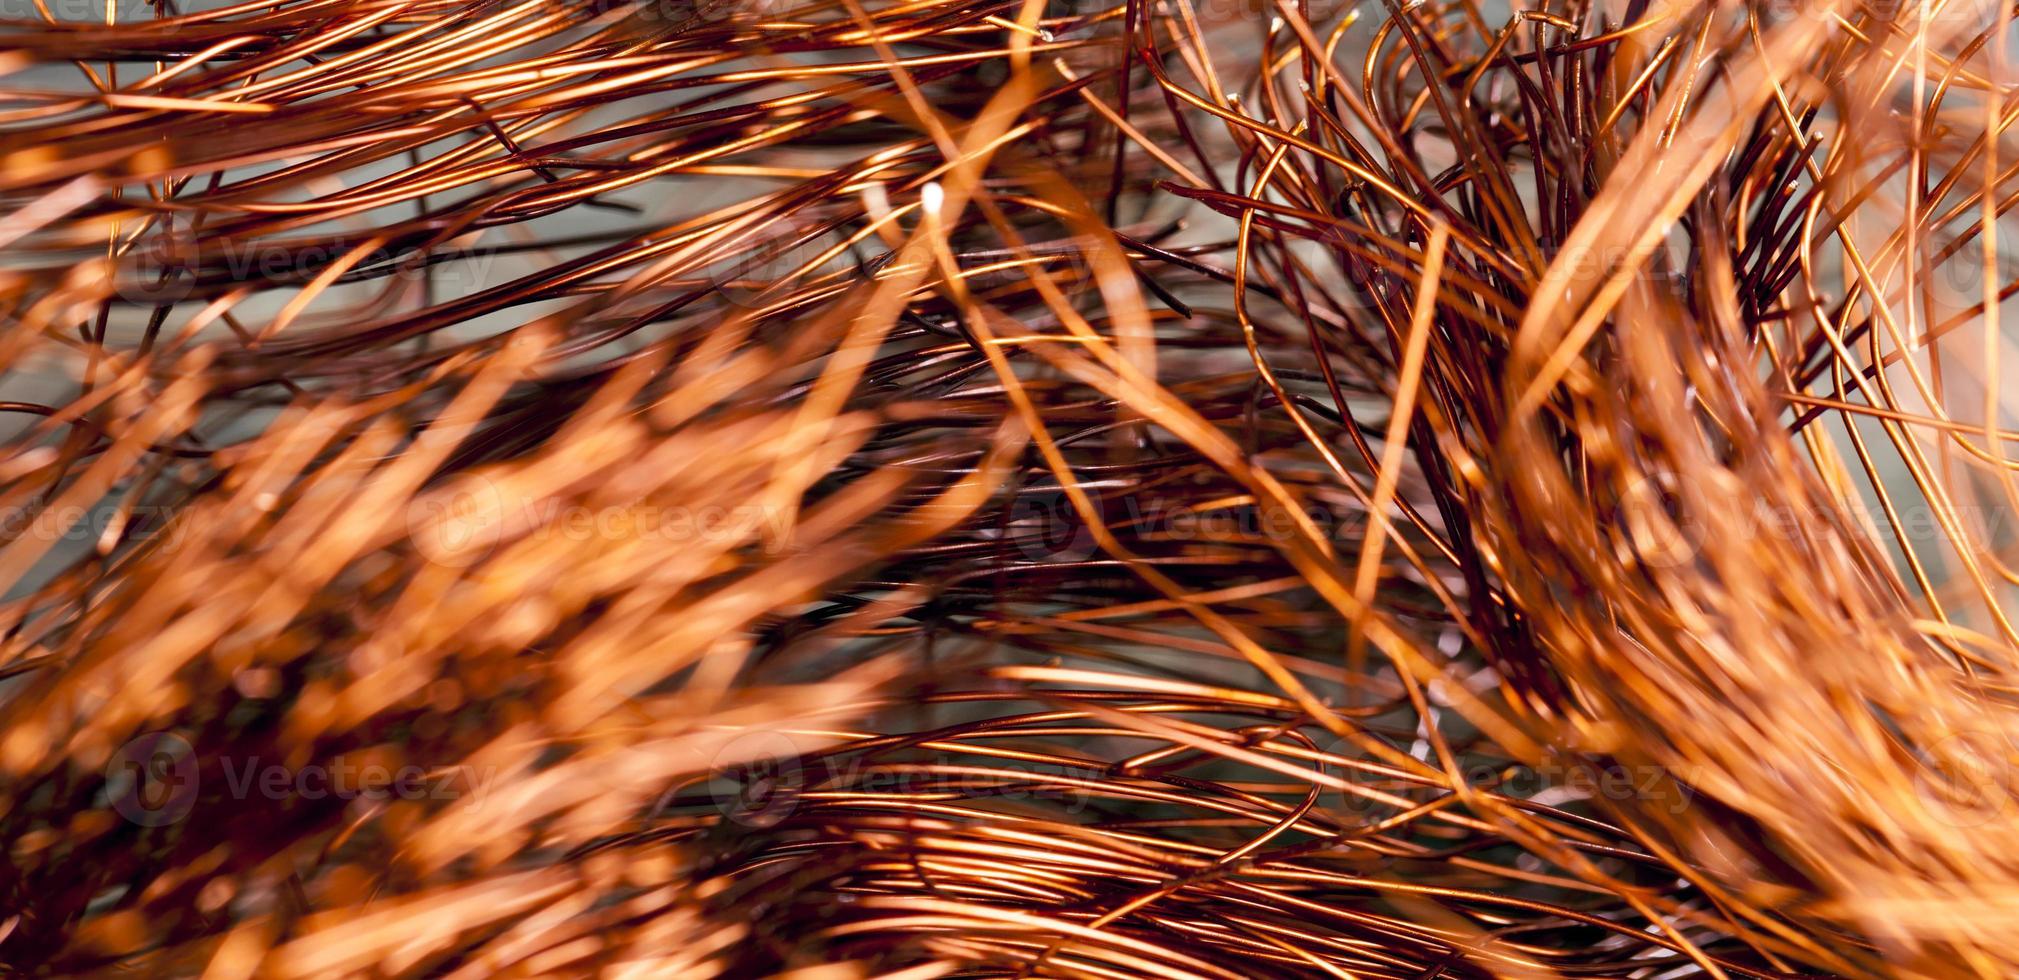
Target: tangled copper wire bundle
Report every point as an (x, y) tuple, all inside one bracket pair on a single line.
[(1010, 488)]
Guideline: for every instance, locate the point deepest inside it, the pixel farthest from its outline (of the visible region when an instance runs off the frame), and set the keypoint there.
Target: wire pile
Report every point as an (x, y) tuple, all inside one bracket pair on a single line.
[(1150, 488)]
